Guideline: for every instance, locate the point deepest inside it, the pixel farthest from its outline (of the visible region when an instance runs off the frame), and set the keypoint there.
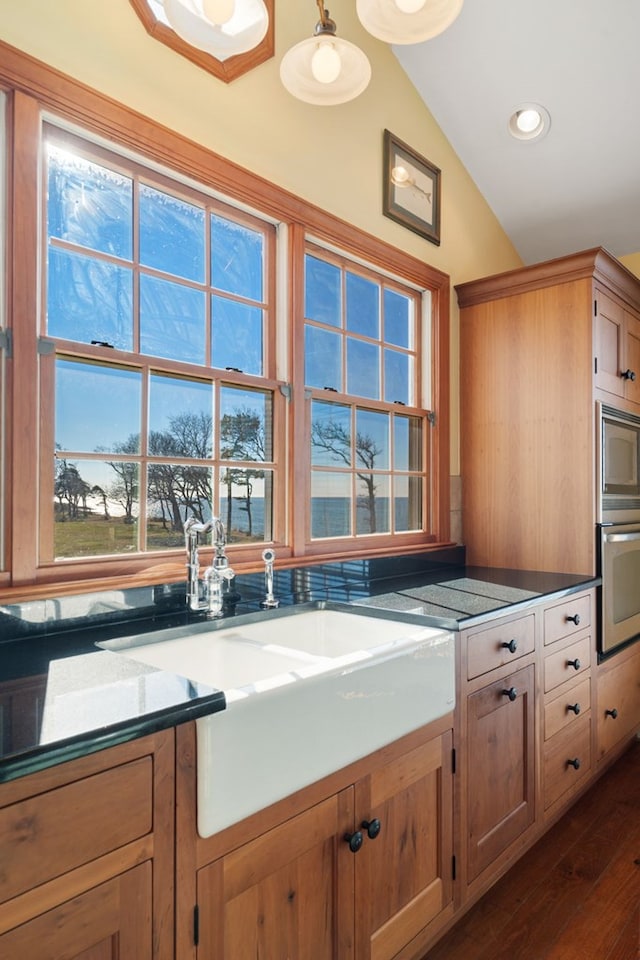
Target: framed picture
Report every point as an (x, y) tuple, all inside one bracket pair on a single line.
[(411, 189)]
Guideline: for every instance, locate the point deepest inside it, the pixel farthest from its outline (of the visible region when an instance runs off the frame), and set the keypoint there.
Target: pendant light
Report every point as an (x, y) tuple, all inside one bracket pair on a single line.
[(324, 69), (407, 21), (222, 28)]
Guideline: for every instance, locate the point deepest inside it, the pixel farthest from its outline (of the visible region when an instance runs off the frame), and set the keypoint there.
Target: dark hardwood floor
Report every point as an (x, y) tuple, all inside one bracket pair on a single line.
[(575, 895)]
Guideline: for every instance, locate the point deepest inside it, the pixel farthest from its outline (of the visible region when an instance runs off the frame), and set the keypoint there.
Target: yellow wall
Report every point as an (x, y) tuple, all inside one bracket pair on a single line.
[(632, 263), (331, 156)]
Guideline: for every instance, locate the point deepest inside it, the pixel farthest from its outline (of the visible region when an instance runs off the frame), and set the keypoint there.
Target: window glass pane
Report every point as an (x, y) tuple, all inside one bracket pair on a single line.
[(245, 425), (407, 503), (96, 508), (171, 320), (171, 234), (363, 306), (246, 504), (236, 336), (175, 491), (372, 515), (323, 301), (322, 358), (330, 434), (330, 505), (363, 369), (180, 418), (89, 204), (237, 256), (97, 408), (397, 316), (372, 440), (397, 377), (407, 443), (89, 299)]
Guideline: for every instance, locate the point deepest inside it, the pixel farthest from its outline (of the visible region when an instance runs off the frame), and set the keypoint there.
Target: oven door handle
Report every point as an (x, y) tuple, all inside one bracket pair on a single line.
[(621, 537)]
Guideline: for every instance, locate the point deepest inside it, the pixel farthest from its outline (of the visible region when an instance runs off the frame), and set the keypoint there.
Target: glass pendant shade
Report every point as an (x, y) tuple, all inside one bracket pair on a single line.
[(407, 21), (325, 70), (240, 26)]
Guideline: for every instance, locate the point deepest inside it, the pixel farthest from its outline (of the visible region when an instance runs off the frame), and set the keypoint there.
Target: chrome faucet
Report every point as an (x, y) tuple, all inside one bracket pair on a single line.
[(269, 602), (214, 576)]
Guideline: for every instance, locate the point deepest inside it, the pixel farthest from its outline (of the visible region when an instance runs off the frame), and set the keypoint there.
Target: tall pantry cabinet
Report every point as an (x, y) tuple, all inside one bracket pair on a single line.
[(538, 346)]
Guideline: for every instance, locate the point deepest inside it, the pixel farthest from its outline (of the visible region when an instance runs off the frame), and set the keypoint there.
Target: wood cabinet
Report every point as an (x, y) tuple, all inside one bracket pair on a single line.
[(617, 332), (568, 651), (618, 700), (497, 746), (81, 845), (538, 346), (356, 867)]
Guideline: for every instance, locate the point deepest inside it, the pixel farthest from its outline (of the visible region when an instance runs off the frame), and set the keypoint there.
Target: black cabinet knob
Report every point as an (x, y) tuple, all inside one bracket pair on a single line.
[(611, 713), (574, 619), (628, 375), (372, 827), (354, 840), (512, 693), (574, 663), (575, 707), (575, 763), (511, 646)]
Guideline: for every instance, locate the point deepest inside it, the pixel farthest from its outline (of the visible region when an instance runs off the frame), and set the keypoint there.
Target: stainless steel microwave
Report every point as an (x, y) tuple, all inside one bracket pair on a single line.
[(618, 465)]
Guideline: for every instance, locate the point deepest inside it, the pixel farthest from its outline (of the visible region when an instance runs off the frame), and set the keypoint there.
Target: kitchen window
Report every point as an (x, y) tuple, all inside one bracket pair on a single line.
[(186, 337), (178, 290), (368, 431)]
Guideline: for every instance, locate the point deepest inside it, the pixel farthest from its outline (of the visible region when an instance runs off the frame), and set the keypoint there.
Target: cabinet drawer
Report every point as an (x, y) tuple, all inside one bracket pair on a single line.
[(573, 701), (499, 645), (51, 833), (567, 663), (567, 760), (560, 621)]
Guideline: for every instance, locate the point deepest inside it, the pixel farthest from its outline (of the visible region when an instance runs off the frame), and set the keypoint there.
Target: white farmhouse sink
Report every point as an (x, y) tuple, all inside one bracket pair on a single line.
[(308, 691)]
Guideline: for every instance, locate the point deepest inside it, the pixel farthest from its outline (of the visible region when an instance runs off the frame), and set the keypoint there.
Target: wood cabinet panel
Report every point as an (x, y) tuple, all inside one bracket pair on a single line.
[(567, 760), (111, 920), (47, 835), (567, 618), (566, 663), (499, 645), (564, 710), (500, 794), (609, 347), (618, 700)]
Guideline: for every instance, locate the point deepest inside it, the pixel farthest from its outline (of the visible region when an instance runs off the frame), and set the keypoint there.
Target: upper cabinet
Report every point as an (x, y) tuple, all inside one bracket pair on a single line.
[(538, 346), (617, 340)]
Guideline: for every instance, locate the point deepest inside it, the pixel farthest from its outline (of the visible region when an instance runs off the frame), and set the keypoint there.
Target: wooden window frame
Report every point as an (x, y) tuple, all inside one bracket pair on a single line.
[(225, 70), (36, 93)]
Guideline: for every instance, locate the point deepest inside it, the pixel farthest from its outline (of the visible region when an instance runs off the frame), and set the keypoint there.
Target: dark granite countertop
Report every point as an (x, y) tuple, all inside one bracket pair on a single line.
[(64, 697)]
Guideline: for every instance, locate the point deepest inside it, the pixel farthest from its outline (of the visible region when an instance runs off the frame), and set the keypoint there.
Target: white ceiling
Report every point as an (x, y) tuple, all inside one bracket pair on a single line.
[(579, 187)]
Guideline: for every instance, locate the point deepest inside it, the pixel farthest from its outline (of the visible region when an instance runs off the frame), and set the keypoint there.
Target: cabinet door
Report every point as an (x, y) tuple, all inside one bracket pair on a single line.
[(286, 894), (111, 920), (404, 874), (618, 702), (609, 338), (632, 356), (500, 766)]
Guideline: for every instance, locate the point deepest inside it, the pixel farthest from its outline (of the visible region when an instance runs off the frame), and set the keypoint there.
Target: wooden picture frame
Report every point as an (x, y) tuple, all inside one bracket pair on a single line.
[(411, 189)]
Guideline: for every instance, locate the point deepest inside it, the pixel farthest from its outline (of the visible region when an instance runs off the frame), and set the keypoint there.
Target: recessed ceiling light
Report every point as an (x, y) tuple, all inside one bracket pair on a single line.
[(529, 121)]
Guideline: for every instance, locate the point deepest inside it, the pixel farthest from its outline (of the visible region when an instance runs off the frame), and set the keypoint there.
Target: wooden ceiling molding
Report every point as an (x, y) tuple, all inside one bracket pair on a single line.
[(227, 70)]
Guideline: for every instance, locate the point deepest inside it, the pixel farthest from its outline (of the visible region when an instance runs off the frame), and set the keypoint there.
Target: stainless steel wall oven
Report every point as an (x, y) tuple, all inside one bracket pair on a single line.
[(619, 526)]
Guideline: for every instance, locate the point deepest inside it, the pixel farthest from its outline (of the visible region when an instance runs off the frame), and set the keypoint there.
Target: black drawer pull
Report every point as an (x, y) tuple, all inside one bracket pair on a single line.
[(611, 713), (511, 646), (574, 619), (628, 375), (575, 707), (354, 840), (512, 693), (575, 763), (574, 663), (372, 827)]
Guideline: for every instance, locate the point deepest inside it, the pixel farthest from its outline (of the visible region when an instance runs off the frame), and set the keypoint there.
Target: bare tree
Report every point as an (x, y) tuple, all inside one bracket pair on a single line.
[(335, 439)]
